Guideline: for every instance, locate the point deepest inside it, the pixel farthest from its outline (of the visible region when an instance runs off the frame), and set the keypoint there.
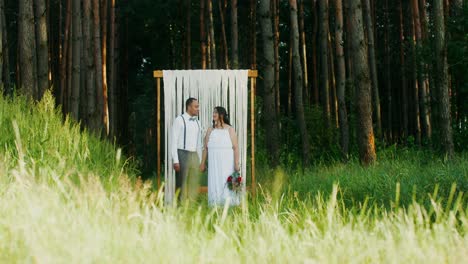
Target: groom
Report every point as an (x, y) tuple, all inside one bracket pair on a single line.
[(186, 150)]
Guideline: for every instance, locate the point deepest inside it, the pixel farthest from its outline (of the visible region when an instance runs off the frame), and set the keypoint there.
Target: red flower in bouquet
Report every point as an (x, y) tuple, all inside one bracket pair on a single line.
[(234, 182)]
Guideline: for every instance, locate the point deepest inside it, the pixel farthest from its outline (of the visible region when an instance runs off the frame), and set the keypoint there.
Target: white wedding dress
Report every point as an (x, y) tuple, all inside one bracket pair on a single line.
[(220, 167)]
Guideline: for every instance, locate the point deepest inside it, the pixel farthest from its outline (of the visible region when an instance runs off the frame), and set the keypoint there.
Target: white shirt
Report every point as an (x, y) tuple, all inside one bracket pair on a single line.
[(193, 133)]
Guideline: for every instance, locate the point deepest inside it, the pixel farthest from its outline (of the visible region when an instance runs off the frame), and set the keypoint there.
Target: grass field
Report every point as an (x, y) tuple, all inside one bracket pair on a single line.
[(67, 197)]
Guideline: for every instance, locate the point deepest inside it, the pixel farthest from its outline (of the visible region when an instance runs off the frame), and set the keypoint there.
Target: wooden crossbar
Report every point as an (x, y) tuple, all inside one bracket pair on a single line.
[(159, 74)]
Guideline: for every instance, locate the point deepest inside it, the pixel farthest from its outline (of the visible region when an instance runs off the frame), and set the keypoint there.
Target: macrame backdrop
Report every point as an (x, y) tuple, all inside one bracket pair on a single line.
[(226, 88)]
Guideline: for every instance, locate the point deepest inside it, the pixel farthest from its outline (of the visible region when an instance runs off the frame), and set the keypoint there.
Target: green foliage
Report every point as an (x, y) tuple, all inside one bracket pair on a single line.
[(295, 216), (38, 137), (323, 142), (458, 63), (417, 173)]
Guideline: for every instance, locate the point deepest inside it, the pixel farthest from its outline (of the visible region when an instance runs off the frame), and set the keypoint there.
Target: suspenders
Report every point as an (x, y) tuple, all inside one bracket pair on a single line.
[(185, 130)]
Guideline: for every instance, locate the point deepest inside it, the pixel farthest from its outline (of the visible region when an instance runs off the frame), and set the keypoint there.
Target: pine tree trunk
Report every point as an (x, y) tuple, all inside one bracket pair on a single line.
[(442, 81), (27, 49), (323, 39), (423, 105), (253, 15), (275, 10), (18, 71), (363, 84), (112, 73), (117, 77), (332, 82), (104, 21), (304, 51), (180, 28), (64, 57), (428, 68), (69, 68), (234, 35), (83, 108), (424, 19), (224, 47), (271, 119), (457, 82), (388, 73), (2, 85), (404, 85), (446, 10), (76, 58), (100, 121), (415, 90), (42, 47), (290, 71), (208, 53), (314, 52), (5, 49), (125, 113), (373, 66), (90, 71), (202, 34), (188, 35), (298, 84), (348, 52), (341, 80), (54, 21), (214, 64)]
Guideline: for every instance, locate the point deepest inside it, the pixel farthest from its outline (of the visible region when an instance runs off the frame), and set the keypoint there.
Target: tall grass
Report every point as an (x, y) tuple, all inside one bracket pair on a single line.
[(67, 198), (65, 222), (416, 173), (40, 137)]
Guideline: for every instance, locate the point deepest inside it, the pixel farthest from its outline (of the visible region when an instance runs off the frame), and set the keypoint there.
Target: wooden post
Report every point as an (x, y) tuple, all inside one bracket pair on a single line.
[(252, 131), (158, 129)]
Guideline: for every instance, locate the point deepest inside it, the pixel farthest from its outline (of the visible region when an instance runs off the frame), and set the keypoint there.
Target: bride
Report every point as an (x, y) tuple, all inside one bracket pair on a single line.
[(222, 151)]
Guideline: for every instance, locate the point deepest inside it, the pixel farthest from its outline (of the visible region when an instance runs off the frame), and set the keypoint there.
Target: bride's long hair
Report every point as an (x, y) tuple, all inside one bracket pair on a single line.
[(222, 115)]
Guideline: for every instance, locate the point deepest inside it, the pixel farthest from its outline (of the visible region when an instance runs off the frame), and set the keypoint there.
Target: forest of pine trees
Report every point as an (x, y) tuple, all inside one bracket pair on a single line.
[(337, 78)]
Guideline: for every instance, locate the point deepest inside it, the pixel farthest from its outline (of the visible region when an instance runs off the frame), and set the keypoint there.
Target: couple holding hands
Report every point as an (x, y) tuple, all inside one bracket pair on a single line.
[(218, 147)]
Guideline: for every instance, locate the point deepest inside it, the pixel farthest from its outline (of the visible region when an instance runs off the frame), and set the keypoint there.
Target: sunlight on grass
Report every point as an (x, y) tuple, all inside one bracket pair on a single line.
[(64, 222), (67, 197)]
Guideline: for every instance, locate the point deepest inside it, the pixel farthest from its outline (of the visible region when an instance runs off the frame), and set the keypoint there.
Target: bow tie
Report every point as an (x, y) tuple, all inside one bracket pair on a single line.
[(192, 119)]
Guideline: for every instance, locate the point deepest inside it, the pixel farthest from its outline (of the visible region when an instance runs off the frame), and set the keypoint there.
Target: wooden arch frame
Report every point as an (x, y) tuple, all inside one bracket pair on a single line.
[(252, 75)]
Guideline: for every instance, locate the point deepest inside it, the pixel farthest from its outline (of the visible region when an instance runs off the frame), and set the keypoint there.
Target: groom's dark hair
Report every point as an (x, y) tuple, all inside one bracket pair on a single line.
[(189, 102)]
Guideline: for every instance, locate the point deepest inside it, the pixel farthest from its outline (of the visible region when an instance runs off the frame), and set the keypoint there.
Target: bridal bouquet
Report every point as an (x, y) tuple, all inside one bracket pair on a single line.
[(234, 182)]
